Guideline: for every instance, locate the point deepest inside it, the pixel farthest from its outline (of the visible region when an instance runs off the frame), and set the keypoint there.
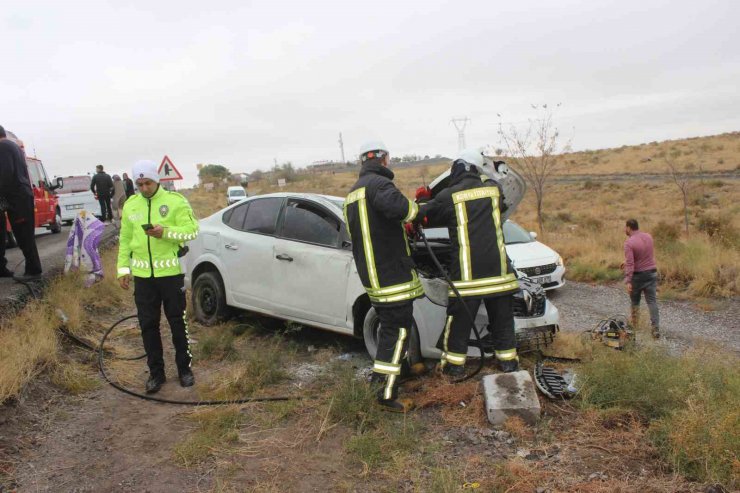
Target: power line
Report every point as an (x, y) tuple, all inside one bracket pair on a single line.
[(460, 124)]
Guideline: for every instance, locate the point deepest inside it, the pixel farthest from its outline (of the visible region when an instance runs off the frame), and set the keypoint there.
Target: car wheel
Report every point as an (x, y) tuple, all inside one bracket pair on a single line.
[(371, 331), (10, 241), (209, 299), (56, 226)]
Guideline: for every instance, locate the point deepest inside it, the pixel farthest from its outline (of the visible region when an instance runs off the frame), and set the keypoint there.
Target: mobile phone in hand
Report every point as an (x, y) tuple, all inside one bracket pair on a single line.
[(146, 227)]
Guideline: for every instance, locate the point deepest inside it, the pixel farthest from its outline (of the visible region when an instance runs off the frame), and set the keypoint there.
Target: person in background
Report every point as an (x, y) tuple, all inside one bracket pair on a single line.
[(119, 196), (102, 186), (16, 199), (129, 185), (641, 273)]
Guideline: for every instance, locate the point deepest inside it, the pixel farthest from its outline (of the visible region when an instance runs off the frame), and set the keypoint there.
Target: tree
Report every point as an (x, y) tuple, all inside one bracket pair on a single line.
[(681, 176), (534, 152), (213, 172), (256, 175), (285, 171)]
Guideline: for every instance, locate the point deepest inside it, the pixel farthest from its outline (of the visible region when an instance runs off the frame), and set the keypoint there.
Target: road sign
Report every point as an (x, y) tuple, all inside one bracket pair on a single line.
[(167, 171)]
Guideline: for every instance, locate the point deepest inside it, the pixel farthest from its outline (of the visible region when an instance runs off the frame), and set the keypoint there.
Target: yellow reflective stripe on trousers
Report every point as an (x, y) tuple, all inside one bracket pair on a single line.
[(462, 235), (367, 243), (394, 289), (454, 358), (413, 211), (506, 355), (386, 368), (484, 282), (396, 362), (498, 288), (407, 295)]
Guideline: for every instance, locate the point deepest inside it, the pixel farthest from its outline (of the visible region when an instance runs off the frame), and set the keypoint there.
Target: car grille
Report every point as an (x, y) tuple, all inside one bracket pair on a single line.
[(537, 308), (539, 270)]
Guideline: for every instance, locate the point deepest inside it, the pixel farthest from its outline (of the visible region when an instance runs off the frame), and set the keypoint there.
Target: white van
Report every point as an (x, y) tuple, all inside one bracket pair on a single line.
[(235, 194), (75, 196)]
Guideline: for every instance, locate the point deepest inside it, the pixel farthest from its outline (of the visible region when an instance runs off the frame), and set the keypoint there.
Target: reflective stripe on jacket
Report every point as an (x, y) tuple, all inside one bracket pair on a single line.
[(471, 211), (145, 256), (375, 211)]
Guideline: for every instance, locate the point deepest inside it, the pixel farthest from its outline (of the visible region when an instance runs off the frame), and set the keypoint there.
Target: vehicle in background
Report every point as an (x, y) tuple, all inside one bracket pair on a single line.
[(76, 196), (46, 204), (533, 259), (235, 194)]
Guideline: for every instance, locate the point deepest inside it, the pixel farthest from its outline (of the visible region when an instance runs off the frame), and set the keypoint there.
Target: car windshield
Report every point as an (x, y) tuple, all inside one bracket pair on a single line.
[(513, 234), (237, 193), (338, 202), (74, 184)]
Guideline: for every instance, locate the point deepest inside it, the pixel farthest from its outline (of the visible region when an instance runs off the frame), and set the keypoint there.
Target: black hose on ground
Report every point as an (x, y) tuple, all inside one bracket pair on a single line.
[(123, 389), (461, 300)]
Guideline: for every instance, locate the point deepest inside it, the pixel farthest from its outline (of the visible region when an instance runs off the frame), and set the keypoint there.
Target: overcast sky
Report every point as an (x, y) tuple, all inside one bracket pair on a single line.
[(241, 83)]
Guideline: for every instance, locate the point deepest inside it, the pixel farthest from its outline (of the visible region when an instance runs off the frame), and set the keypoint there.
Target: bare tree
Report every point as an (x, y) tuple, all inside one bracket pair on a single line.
[(534, 152), (681, 175)]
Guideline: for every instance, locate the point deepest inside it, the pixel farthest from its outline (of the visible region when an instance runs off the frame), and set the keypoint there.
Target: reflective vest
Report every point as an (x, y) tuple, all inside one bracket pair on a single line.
[(145, 256), (471, 211), (375, 211)]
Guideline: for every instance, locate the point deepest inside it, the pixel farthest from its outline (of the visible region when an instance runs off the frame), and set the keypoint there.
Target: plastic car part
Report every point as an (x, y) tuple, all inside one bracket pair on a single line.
[(551, 383), (614, 332)]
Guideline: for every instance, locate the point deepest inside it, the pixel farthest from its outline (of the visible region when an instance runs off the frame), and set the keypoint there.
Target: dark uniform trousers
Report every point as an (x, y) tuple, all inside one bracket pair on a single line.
[(395, 327), (21, 218), (454, 339), (106, 211), (150, 293)]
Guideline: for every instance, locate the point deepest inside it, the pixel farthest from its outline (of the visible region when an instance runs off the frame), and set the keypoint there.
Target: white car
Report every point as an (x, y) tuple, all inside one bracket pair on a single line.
[(75, 196), (533, 259), (288, 255), (235, 194)]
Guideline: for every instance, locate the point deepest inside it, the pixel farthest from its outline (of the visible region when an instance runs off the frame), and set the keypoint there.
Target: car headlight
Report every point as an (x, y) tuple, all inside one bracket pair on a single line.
[(560, 261)]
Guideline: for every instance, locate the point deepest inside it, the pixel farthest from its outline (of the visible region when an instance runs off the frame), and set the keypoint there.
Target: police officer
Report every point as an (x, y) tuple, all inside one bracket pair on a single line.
[(470, 207), (375, 211), (155, 225)]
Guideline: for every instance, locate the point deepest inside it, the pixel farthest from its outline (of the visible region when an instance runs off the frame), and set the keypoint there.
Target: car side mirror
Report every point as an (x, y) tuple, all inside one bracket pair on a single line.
[(346, 245), (533, 235), (59, 183)]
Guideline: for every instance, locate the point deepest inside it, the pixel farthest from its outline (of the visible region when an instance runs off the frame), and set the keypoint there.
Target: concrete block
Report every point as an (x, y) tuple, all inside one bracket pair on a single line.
[(511, 394)]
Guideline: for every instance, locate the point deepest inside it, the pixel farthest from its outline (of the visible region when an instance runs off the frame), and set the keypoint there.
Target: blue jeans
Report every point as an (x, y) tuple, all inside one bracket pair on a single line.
[(646, 282)]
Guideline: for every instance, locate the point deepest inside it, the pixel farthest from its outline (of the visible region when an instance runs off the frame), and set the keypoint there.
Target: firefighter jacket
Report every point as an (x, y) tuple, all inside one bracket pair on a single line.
[(375, 211), (145, 256), (471, 210)]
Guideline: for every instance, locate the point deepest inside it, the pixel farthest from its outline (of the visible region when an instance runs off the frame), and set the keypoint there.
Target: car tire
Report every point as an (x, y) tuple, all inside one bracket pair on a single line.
[(56, 226), (209, 299), (371, 329), (10, 240)]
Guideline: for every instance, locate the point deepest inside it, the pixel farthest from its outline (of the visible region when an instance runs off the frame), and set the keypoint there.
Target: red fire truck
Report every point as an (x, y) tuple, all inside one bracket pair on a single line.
[(47, 213)]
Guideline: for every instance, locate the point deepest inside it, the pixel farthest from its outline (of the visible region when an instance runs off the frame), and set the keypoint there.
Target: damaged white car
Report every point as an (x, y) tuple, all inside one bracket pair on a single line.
[(288, 255)]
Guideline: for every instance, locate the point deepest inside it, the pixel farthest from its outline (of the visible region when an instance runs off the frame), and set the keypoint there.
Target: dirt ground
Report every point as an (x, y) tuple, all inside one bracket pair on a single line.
[(105, 440)]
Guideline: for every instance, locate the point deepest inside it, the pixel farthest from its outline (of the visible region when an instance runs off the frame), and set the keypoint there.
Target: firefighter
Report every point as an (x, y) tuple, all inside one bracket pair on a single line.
[(375, 211), (470, 207), (155, 224)]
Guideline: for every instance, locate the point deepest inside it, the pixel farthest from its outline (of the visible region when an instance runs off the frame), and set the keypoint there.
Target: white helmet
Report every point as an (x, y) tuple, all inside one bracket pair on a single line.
[(372, 149), (471, 157)]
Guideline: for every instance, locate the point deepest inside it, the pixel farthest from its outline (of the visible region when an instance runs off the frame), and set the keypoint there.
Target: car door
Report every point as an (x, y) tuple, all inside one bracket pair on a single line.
[(247, 242), (311, 266), (40, 195)]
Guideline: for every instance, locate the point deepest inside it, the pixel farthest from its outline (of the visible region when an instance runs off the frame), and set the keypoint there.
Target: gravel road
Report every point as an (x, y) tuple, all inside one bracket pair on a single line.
[(683, 323)]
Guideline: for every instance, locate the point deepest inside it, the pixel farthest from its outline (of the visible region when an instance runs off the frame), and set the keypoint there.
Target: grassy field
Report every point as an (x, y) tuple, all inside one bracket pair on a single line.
[(585, 221)]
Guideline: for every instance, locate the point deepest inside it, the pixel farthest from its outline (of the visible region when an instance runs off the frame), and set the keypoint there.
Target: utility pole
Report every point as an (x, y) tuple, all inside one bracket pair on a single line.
[(341, 147), (460, 124)]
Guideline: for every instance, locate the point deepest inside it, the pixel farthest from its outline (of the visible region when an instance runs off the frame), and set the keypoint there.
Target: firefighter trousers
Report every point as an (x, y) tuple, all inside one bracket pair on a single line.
[(150, 293), (396, 323), (454, 339)]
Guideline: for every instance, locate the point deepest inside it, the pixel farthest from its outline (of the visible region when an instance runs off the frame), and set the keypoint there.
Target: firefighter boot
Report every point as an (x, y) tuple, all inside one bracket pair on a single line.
[(453, 371), (394, 404), (509, 365)]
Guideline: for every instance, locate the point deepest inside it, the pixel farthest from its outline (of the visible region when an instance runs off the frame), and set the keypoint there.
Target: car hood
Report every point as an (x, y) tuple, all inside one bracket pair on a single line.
[(512, 183), (531, 254)]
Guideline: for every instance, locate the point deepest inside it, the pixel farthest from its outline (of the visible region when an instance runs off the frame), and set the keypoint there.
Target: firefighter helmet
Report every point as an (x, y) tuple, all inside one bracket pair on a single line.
[(372, 149)]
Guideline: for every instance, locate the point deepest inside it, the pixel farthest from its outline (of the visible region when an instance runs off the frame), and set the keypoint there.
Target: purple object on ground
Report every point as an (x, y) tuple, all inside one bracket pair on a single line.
[(82, 248)]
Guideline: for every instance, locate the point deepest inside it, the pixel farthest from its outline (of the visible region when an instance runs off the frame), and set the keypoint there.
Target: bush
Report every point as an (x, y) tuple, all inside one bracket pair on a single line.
[(591, 185), (692, 404), (664, 233), (720, 228)]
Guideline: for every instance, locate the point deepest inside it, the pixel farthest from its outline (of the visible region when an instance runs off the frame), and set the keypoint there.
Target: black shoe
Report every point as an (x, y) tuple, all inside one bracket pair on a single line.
[(454, 371), (6, 273), (155, 383), (28, 277), (187, 379), (396, 405), (656, 333), (509, 366)]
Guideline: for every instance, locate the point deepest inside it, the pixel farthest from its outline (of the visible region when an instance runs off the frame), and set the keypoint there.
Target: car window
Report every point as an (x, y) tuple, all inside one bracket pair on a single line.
[(235, 193), (75, 184), (262, 215), (513, 233), (35, 172), (234, 218), (310, 223)]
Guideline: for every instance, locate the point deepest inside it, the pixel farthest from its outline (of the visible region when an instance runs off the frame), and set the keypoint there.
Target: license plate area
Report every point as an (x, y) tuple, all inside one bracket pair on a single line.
[(542, 279)]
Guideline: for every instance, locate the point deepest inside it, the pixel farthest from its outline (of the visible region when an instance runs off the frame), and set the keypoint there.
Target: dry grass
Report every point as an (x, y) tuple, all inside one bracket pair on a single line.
[(216, 432), (74, 378)]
